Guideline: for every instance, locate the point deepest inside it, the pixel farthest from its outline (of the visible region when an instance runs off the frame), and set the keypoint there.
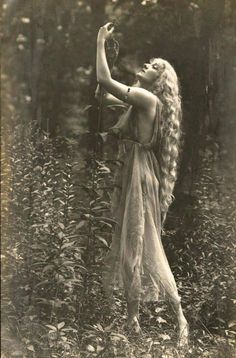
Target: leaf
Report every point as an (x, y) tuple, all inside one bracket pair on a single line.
[(105, 223), (88, 216), (100, 327), (103, 136), (42, 283), (67, 263), (120, 336), (61, 226), (99, 348), (60, 325), (104, 169), (68, 244), (161, 320), (221, 320), (102, 240), (87, 108), (165, 337), (98, 208), (17, 354), (31, 348), (231, 324), (48, 267), (90, 348), (81, 224), (61, 235), (32, 317), (159, 309), (59, 278), (106, 220), (51, 327)]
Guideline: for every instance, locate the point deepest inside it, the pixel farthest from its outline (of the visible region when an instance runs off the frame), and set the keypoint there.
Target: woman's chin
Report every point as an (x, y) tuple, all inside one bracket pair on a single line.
[(139, 75)]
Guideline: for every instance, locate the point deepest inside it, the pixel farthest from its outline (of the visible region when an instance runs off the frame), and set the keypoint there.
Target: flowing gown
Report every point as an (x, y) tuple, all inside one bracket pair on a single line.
[(136, 261)]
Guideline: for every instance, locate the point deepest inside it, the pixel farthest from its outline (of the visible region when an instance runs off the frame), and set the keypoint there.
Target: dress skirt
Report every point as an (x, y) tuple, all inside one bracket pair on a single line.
[(136, 262)]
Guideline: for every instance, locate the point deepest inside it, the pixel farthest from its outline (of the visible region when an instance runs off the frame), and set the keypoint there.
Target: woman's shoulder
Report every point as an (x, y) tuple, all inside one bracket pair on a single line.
[(154, 106), (153, 102)]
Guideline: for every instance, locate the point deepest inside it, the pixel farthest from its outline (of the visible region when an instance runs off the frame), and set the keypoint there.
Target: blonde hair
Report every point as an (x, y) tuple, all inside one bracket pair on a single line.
[(167, 89)]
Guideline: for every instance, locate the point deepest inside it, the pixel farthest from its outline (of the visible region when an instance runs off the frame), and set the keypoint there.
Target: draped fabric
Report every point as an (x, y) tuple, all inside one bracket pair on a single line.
[(136, 261)]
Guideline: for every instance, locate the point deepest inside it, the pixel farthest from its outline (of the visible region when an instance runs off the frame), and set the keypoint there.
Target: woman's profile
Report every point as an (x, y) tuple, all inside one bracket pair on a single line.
[(149, 135)]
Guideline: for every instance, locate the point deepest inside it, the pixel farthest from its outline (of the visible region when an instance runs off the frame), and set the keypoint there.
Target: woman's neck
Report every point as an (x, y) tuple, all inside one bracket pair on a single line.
[(142, 85), (136, 84)]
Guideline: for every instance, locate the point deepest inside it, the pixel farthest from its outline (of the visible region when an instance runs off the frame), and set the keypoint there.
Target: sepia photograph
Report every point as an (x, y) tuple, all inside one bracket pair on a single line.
[(118, 185)]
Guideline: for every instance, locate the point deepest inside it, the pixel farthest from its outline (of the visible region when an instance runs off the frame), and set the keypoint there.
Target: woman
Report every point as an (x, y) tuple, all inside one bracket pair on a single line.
[(148, 149)]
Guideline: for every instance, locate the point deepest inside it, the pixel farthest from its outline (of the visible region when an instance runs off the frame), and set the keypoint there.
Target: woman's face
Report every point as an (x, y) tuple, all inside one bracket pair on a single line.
[(148, 74)]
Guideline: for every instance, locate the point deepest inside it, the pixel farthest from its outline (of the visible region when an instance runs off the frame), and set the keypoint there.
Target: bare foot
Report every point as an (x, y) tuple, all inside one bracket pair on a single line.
[(183, 334), (134, 326)]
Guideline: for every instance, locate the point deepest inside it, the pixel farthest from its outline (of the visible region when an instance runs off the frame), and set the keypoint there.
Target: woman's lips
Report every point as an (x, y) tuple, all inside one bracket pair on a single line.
[(141, 71)]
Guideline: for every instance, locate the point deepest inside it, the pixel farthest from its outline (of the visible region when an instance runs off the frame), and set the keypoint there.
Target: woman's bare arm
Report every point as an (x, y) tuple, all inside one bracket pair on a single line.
[(108, 99), (133, 95)]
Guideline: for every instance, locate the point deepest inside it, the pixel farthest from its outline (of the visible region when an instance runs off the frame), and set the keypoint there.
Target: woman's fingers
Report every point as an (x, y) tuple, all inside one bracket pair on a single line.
[(106, 30), (109, 25), (111, 30)]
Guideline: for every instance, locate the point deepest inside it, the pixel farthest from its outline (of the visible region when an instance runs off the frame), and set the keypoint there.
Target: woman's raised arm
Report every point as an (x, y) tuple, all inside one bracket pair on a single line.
[(108, 99), (135, 96)]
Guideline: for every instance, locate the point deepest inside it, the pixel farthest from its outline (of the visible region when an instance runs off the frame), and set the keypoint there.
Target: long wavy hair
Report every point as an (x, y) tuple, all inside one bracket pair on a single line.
[(167, 89)]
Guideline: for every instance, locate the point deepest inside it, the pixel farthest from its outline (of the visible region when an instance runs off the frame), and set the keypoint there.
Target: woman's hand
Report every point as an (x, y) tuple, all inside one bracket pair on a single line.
[(105, 32), (98, 91)]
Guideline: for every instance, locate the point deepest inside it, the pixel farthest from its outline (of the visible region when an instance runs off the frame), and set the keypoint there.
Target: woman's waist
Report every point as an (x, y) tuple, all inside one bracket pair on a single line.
[(125, 144)]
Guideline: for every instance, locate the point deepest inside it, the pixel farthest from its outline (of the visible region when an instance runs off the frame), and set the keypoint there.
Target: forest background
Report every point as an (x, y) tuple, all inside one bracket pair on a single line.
[(57, 167)]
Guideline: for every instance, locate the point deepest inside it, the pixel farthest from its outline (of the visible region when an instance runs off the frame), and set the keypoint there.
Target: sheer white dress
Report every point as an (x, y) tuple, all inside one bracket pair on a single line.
[(136, 261)]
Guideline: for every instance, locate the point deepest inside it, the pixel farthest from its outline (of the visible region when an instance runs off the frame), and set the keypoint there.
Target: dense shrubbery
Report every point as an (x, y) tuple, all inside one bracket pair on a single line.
[(211, 250), (43, 259), (58, 231), (53, 238), (203, 248)]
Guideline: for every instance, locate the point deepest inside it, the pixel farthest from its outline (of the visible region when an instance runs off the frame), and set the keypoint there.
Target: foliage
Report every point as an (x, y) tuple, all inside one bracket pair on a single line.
[(202, 249), (52, 297), (56, 192), (42, 254), (54, 239)]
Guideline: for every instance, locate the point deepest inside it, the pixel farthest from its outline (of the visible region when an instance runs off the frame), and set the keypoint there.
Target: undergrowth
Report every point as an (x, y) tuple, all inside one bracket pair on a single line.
[(56, 233)]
